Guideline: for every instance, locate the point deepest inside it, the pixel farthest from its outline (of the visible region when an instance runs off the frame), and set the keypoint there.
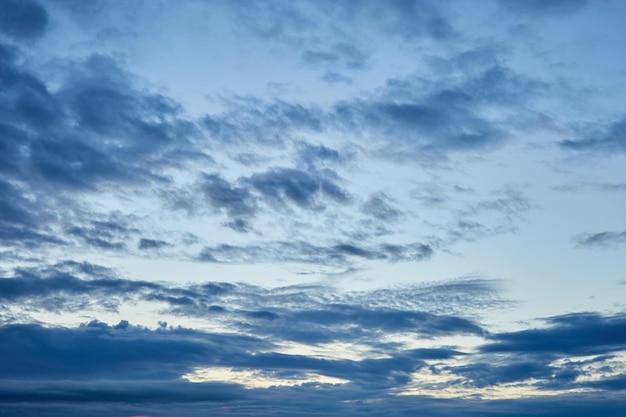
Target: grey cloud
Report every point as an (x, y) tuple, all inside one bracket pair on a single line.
[(343, 54), (107, 232), (23, 19), (92, 131), (239, 225), (553, 357), (579, 333), (338, 321), (296, 313), (97, 350), (236, 201), (378, 206), (408, 19), (280, 188), (282, 22), (334, 402), (90, 393), (249, 120), (133, 352), (483, 374), (406, 119), (299, 187), (14, 207), (543, 7), (147, 244), (429, 124), (496, 215), (609, 141), (299, 251), (306, 314), (311, 157), (601, 240), (333, 77)]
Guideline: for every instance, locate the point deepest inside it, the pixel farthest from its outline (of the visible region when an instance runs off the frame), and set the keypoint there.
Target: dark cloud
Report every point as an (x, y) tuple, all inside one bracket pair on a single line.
[(123, 363), (610, 141), (601, 240), (15, 208), (486, 374), (301, 188), (108, 232), (119, 392), (94, 130), (238, 202), (579, 334), (22, 19), (307, 315), (282, 188), (122, 352), (411, 119), (333, 402), (312, 157), (350, 323), (147, 244), (61, 288)]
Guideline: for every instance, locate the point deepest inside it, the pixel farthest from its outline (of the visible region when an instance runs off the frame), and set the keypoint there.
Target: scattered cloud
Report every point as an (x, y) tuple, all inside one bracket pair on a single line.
[(610, 141), (600, 240)]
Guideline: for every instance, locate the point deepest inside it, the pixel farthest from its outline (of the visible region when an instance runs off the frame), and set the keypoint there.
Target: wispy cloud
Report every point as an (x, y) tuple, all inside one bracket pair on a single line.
[(600, 240)]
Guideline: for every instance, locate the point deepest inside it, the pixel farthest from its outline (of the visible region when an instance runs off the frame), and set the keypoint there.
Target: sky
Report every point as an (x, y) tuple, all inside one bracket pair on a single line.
[(312, 208)]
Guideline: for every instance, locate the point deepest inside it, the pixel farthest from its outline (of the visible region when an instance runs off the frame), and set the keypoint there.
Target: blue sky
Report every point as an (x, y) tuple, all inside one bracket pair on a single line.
[(312, 208)]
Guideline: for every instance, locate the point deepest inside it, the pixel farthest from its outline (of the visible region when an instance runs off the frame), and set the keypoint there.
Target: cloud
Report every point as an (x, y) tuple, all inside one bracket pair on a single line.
[(23, 19), (577, 333), (313, 157), (339, 55), (238, 202), (108, 234), (303, 252), (406, 119), (610, 141), (287, 333), (409, 20), (543, 7), (148, 244), (71, 285), (123, 352), (333, 77), (94, 130), (600, 240), (417, 120), (248, 120), (378, 206), (160, 392), (301, 188)]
